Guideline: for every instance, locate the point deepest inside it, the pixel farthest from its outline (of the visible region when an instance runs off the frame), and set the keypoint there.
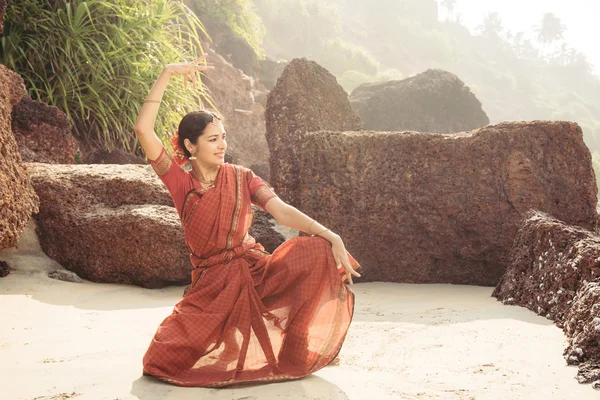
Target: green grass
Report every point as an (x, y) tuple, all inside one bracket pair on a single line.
[(96, 60)]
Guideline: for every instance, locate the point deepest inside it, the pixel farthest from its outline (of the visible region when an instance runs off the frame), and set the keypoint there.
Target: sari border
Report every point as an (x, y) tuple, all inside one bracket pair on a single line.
[(238, 208), (336, 326)]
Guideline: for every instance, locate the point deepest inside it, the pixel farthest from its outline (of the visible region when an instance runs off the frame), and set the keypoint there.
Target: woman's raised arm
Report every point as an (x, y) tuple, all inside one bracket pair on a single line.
[(144, 125)]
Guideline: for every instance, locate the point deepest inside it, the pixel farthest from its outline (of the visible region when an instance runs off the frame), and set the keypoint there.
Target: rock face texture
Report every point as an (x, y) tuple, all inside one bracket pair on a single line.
[(434, 101), (116, 156), (306, 98), (232, 93), (17, 197), (422, 207), (110, 223), (43, 133), (554, 270)]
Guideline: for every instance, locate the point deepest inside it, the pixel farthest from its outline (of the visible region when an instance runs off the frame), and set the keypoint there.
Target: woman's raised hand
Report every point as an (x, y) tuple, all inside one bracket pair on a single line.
[(340, 256), (189, 69)]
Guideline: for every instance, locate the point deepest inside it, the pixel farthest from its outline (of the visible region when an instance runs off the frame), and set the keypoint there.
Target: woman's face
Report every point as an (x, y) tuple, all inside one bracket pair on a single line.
[(211, 145)]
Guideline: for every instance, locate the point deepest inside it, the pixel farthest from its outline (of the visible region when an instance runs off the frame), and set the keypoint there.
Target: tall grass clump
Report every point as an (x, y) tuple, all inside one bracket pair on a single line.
[(96, 60)]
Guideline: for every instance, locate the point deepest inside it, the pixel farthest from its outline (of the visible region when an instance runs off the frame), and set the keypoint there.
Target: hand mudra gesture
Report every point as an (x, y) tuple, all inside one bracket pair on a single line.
[(189, 69)]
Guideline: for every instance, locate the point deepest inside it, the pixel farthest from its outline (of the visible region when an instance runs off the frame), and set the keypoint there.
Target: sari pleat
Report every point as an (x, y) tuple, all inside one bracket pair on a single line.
[(249, 315)]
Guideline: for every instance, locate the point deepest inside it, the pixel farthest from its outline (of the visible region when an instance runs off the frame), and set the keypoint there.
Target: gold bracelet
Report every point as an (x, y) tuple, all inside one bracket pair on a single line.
[(313, 221), (152, 101), (321, 232)]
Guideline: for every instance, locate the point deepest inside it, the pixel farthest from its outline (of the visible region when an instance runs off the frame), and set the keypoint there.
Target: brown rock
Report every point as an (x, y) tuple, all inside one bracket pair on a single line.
[(555, 271), (4, 269), (43, 133), (110, 223), (550, 261), (244, 122), (583, 326), (307, 98), (423, 207), (434, 101), (17, 197), (116, 156), (262, 230)]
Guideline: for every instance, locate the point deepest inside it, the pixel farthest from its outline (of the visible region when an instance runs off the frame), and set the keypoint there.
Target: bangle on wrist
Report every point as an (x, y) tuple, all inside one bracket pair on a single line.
[(313, 221), (321, 232)]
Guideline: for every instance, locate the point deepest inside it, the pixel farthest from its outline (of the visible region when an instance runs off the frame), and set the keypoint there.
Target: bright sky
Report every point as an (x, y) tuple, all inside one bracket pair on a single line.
[(581, 17)]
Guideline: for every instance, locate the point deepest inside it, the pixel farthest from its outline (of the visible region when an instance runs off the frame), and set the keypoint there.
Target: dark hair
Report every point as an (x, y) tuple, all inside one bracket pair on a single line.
[(192, 126)]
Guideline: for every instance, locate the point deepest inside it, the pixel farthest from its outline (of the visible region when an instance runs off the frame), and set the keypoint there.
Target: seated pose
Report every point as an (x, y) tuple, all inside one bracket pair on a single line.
[(248, 315)]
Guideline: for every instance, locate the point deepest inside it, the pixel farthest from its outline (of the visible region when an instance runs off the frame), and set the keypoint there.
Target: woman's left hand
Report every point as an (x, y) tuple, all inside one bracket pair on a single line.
[(340, 256), (189, 69)]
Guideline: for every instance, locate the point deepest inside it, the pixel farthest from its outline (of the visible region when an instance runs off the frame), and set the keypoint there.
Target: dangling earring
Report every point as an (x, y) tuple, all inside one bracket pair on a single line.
[(191, 157)]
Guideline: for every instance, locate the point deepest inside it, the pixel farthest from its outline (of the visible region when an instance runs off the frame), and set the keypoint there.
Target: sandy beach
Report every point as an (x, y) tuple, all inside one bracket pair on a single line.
[(63, 340)]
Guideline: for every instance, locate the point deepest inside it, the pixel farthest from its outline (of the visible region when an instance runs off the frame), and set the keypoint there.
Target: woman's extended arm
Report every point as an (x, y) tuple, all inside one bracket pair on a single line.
[(144, 125), (295, 219)]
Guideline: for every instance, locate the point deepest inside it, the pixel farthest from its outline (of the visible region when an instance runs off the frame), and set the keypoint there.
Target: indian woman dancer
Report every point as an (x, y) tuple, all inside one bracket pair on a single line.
[(248, 315)]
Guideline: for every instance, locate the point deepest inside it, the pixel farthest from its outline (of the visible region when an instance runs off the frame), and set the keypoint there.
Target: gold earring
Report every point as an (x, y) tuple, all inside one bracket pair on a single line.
[(191, 157)]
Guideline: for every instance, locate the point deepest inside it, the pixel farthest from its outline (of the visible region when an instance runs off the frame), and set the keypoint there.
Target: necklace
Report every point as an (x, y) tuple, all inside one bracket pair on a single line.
[(201, 181)]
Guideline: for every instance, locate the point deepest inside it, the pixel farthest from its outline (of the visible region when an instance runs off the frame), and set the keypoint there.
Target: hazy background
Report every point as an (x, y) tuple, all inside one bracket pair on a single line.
[(580, 18)]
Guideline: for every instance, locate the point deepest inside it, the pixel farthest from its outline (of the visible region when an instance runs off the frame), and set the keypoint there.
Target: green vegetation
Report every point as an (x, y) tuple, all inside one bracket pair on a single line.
[(239, 15), (96, 60)]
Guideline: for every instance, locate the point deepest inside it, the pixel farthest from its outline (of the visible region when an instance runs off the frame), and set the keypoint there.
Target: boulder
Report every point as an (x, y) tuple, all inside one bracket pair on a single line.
[(244, 120), (433, 101), (115, 156), (550, 261), (554, 271), (306, 98), (43, 133), (582, 326), (110, 223), (17, 198), (263, 231), (443, 208)]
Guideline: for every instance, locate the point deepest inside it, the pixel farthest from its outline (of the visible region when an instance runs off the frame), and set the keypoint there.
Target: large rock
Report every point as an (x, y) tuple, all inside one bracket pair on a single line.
[(555, 271), (17, 197), (424, 207), (110, 223), (232, 93), (43, 133), (263, 230), (550, 261), (434, 101), (306, 98), (583, 328)]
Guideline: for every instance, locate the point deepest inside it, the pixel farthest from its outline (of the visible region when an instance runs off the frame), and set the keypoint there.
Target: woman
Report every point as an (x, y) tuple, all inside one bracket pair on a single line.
[(248, 315)]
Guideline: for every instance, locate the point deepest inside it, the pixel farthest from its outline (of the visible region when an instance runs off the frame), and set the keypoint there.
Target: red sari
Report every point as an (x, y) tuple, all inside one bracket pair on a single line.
[(248, 315)]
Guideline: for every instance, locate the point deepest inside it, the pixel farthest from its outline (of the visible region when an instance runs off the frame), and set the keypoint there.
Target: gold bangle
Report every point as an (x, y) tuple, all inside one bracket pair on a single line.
[(313, 221), (321, 232), (152, 101)]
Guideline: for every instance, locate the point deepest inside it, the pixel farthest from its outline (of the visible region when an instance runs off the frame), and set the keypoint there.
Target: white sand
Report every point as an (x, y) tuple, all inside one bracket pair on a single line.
[(62, 340)]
